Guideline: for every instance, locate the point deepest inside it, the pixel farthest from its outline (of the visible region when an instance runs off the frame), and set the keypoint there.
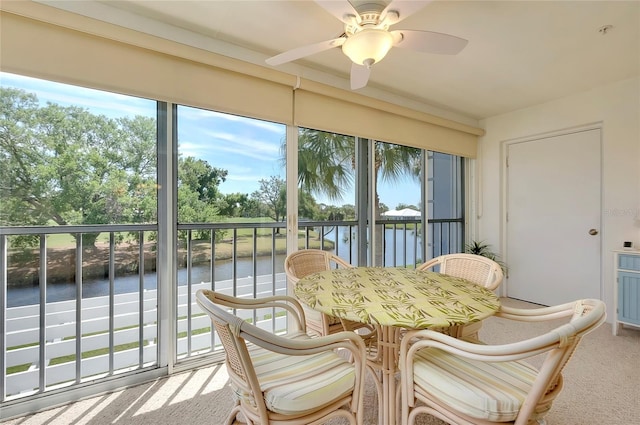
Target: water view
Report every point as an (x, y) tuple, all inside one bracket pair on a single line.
[(402, 246)]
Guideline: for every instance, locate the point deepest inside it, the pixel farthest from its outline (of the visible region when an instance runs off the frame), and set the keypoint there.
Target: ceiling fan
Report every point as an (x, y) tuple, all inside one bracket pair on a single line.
[(367, 38)]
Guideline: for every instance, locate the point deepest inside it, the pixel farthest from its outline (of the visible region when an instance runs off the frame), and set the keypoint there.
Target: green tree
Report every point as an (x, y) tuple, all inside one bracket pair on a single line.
[(326, 162), (252, 208), (394, 163), (307, 206), (402, 206), (272, 196), (199, 194), (200, 177), (348, 211), (65, 165), (19, 152), (233, 204)]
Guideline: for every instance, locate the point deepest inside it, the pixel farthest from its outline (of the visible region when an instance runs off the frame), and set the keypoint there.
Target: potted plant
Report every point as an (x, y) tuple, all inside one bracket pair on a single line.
[(484, 249)]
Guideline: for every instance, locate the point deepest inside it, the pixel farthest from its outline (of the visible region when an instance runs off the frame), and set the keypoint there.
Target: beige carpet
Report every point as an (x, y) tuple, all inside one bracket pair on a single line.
[(602, 387)]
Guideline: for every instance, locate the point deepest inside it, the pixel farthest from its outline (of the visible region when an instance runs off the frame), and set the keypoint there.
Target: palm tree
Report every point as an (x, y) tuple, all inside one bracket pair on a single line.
[(394, 162), (326, 164)]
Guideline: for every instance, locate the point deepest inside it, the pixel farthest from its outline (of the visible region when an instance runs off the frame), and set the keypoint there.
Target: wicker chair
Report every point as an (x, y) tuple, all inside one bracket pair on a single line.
[(475, 268), (305, 262), (289, 379), (467, 383)]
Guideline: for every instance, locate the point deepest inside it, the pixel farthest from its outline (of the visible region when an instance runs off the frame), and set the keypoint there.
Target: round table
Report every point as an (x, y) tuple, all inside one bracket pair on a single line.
[(391, 299)]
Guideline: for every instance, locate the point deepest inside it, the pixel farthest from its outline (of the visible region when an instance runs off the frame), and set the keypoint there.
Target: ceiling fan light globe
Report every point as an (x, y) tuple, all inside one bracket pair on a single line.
[(368, 46)]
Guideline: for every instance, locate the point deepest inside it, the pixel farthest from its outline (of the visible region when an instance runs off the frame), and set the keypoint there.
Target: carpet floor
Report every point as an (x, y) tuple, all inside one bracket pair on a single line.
[(602, 387)]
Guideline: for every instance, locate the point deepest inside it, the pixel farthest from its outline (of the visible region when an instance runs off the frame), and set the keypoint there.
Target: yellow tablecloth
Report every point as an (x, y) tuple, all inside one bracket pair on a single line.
[(396, 297)]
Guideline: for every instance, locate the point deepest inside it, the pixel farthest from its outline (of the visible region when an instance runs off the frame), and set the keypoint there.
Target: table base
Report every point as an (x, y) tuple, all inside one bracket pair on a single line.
[(383, 364)]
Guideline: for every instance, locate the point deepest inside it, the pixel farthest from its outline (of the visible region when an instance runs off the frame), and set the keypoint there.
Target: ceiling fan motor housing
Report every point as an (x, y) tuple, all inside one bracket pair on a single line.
[(369, 17)]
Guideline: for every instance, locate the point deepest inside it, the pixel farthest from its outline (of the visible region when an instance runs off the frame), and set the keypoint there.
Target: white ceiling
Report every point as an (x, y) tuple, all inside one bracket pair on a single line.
[(520, 53)]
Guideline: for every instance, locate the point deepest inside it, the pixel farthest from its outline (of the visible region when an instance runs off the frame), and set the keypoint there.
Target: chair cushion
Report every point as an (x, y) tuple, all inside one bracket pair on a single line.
[(490, 391), (297, 384)]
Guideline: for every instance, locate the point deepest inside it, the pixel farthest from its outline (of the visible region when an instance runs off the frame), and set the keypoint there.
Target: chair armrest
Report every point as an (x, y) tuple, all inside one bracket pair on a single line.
[(340, 262), (586, 315), (285, 302), (536, 314), (428, 264), (416, 340), (301, 347), (574, 308)]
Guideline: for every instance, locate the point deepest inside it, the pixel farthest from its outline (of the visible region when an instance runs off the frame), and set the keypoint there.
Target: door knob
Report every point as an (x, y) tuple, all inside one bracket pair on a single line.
[(593, 232)]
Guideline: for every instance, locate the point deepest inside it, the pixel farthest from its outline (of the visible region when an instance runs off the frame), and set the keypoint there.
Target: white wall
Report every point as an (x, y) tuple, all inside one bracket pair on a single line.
[(617, 107)]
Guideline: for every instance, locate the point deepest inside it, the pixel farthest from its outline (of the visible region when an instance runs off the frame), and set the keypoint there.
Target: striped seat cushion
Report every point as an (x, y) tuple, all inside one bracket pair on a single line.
[(297, 384), (491, 391)]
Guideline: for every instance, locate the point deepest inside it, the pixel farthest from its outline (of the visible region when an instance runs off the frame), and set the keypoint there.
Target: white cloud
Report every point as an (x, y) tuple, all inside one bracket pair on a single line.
[(195, 150), (242, 145), (197, 114), (113, 105), (263, 125)]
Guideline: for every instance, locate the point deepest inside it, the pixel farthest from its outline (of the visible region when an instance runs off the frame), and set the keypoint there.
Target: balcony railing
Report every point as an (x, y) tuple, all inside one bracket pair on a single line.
[(97, 315)]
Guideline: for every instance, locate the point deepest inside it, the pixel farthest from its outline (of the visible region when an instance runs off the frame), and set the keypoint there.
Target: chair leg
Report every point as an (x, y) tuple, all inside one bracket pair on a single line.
[(399, 402), (233, 415)]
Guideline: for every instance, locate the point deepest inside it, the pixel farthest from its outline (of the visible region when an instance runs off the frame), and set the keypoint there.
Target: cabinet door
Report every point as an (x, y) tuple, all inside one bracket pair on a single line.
[(629, 297), (629, 262)]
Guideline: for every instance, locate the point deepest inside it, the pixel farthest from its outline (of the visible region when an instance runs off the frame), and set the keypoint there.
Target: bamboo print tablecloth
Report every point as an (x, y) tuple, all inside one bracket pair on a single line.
[(397, 297)]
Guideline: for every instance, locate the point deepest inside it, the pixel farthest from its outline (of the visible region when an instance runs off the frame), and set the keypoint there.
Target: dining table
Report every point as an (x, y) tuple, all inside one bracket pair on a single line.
[(392, 299)]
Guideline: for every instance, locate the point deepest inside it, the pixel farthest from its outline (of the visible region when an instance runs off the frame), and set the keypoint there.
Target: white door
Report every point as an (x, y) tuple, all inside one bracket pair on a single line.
[(553, 218)]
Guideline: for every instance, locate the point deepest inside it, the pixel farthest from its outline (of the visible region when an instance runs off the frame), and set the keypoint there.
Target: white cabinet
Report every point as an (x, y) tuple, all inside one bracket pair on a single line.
[(627, 289)]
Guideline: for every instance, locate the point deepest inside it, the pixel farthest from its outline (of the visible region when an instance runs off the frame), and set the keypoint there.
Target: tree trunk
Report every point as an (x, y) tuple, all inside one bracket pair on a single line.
[(88, 239)]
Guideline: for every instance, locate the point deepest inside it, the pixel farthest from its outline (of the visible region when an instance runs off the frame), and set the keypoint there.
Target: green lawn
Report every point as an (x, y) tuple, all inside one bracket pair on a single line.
[(66, 240), (25, 262)]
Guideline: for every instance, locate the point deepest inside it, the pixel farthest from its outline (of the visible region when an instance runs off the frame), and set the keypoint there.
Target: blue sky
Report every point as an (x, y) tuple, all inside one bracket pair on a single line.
[(248, 149)]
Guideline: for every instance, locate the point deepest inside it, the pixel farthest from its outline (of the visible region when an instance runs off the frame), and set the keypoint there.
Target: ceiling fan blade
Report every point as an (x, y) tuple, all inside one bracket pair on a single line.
[(341, 9), (429, 41), (404, 9), (303, 51), (359, 76)]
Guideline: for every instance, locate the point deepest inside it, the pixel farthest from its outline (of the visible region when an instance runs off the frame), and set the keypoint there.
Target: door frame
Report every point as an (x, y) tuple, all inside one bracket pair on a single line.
[(504, 150)]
